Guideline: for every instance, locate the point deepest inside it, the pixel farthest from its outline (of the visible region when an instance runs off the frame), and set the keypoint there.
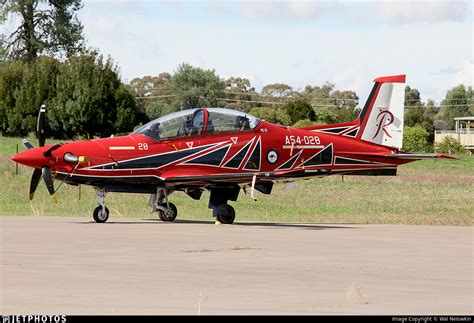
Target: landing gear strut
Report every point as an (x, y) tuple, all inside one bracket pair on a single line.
[(159, 203), (101, 213)]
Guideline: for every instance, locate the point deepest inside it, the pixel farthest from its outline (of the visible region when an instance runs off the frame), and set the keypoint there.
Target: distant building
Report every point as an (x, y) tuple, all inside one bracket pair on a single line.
[(464, 132)]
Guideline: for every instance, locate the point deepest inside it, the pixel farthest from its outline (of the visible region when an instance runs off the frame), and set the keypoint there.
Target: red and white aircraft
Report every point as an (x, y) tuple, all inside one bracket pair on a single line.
[(222, 151)]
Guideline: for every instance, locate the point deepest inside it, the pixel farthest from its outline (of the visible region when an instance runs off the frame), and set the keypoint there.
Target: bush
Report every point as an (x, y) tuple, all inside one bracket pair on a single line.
[(450, 145), (415, 139)]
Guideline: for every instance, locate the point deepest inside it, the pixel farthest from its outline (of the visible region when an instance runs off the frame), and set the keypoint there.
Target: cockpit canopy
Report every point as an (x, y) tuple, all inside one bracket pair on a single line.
[(194, 122)]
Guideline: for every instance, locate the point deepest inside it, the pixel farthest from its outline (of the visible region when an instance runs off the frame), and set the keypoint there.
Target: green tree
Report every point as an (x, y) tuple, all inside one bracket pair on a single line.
[(194, 87), (238, 92), (299, 109), (419, 114), (334, 105), (277, 116), (127, 112), (415, 139), (457, 103), (45, 27), (150, 89), (37, 87), (157, 109), (305, 123), (151, 85), (344, 105), (318, 94), (325, 116), (277, 90), (11, 74), (90, 99), (3, 49)]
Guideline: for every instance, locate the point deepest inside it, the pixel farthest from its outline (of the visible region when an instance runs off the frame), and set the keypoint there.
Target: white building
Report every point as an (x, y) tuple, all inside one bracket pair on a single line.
[(464, 132)]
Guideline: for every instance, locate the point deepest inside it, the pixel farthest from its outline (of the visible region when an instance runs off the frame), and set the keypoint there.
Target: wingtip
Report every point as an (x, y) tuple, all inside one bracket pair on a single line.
[(446, 156), (31, 196)]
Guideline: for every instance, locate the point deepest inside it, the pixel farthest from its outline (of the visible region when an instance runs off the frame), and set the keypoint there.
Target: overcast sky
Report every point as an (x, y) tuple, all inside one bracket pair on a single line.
[(347, 43)]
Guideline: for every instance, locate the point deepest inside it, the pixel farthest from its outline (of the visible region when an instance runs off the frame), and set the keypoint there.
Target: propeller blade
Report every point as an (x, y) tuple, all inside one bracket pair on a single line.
[(48, 180), (27, 144), (40, 126), (35, 178)]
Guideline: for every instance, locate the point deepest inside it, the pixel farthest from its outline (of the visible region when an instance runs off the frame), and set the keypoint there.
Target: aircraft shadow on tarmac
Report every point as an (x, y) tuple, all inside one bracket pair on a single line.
[(305, 226)]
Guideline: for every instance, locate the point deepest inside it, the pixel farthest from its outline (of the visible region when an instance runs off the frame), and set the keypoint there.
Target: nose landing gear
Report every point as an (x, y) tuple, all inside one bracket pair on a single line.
[(101, 212)]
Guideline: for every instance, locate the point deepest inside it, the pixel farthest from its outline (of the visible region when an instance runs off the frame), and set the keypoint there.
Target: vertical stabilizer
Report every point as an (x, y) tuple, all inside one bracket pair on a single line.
[(381, 120)]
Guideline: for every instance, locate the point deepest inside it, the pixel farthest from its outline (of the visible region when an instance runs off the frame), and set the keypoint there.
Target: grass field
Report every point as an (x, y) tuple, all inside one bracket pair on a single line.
[(431, 192)]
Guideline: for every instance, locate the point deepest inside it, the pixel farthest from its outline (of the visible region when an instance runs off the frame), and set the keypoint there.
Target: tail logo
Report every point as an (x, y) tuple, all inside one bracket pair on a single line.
[(384, 119)]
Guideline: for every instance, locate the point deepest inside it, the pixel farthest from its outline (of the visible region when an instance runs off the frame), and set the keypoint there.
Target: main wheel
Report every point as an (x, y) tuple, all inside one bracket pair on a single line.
[(99, 215), (227, 218), (170, 212)]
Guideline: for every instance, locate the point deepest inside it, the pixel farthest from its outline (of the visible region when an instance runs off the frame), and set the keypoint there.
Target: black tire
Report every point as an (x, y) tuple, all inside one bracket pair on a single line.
[(227, 218), (169, 216), (99, 215)]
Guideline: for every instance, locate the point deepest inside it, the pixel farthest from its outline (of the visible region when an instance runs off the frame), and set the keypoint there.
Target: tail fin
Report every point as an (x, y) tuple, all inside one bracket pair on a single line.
[(381, 120)]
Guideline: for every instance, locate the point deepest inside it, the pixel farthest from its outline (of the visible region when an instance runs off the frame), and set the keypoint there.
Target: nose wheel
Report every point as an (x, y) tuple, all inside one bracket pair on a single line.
[(101, 214)]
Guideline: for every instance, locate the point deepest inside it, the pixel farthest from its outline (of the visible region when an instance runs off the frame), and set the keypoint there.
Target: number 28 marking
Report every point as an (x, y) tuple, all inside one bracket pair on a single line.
[(142, 146)]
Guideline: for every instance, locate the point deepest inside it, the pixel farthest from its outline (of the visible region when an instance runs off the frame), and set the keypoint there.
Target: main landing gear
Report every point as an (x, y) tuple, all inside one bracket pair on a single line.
[(226, 216), (221, 211), (159, 203)]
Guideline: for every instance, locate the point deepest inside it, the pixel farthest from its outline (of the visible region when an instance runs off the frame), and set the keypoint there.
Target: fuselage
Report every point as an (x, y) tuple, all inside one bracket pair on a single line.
[(269, 151)]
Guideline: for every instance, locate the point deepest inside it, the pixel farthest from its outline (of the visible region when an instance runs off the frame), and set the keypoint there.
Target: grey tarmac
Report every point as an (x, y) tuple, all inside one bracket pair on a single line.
[(67, 265)]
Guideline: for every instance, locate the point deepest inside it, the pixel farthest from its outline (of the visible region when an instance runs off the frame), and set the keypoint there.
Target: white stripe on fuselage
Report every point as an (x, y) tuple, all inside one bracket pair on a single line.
[(303, 146), (122, 148)]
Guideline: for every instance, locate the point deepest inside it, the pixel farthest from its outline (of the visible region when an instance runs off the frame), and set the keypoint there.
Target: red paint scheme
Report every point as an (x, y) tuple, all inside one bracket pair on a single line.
[(272, 137), (344, 153)]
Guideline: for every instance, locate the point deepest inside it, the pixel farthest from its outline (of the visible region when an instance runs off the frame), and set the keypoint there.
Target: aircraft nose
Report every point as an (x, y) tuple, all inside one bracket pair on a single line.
[(31, 157)]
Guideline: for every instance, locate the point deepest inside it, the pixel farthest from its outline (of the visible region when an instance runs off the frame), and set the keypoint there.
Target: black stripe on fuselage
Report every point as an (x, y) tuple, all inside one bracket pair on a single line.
[(154, 161), (254, 161), (213, 158), (290, 162), (323, 157), (334, 130), (237, 159)]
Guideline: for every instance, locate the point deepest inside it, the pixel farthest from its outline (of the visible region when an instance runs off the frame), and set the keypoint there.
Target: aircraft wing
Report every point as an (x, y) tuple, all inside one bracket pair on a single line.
[(173, 179), (419, 156), (402, 155)]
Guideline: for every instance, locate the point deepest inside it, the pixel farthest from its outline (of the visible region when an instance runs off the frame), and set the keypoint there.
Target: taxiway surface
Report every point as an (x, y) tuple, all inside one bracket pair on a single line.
[(53, 265)]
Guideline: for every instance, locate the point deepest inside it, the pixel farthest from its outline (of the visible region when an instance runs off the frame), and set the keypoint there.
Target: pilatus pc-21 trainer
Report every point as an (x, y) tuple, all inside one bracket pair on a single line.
[(222, 151)]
